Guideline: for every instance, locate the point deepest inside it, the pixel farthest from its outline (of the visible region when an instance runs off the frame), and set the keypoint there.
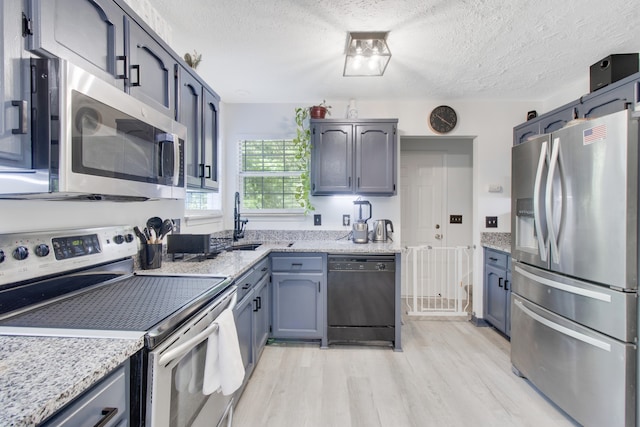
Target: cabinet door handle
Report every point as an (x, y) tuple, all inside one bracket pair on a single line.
[(255, 305), (246, 286), (201, 167), (493, 259), (499, 282), (349, 182), (264, 268), (358, 182), (107, 415), (319, 287), (122, 58), (314, 186), (22, 114), (259, 302), (137, 82), (506, 288), (208, 168)]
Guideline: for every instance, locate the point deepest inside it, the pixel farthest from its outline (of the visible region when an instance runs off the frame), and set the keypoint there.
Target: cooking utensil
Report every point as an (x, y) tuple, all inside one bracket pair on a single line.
[(147, 234), (155, 223), (167, 227), (143, 238)]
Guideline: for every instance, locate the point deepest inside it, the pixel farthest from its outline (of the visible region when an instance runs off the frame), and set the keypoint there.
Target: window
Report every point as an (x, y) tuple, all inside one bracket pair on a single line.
[(270, 175)]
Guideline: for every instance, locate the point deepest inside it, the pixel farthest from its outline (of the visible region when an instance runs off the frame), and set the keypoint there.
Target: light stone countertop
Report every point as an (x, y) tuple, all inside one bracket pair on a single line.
[(39, 375), (235, 263), (495, 240)]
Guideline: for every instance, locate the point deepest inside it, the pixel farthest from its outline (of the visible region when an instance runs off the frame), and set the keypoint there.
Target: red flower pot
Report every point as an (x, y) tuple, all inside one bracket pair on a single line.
[(318, 112)]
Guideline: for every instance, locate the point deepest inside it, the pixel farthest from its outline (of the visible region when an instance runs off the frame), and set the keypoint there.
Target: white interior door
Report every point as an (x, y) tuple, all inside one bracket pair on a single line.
[(423, 198)]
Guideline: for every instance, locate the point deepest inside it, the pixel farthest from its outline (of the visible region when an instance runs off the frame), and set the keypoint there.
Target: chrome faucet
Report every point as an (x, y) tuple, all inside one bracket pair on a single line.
[(238, 223)]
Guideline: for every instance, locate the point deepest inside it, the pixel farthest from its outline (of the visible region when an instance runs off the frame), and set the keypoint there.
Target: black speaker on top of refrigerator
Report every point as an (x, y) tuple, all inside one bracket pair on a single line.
[(611, 69)]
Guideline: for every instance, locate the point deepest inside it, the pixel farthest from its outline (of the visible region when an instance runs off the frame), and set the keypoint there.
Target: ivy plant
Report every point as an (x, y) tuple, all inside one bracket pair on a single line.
[(302, 144)]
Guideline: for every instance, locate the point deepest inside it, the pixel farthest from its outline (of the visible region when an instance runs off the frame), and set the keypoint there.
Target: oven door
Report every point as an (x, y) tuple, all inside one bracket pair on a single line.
[(176, 371)]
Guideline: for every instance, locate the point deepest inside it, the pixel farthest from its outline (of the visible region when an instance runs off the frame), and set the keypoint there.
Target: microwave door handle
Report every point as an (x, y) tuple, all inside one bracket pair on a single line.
[(176, 160), (553, 163), (542, 244), (162, 140)]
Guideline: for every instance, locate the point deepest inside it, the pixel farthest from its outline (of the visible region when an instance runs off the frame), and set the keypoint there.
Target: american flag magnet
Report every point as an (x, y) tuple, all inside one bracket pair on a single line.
[(591, 135)]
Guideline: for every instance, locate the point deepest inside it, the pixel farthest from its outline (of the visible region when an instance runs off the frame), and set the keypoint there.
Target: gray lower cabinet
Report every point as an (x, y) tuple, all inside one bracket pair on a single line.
[(15, 148), (497, 289), (299, 295), (354, 157), (105, 404), (252, 314)]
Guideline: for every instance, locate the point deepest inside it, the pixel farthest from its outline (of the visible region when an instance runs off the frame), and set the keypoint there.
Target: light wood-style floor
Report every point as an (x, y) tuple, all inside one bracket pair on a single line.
[(450, 373)]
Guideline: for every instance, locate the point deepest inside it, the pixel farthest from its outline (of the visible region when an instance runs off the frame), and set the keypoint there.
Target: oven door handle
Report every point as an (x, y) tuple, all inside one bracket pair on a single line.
[(187, 346)]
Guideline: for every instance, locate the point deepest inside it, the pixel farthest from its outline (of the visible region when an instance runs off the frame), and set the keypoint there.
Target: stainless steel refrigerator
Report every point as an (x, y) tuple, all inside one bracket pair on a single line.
[(574, 248)]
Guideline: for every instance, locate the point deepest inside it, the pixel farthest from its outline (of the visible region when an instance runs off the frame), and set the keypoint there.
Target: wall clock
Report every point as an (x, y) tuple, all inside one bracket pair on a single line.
[(443, 119)]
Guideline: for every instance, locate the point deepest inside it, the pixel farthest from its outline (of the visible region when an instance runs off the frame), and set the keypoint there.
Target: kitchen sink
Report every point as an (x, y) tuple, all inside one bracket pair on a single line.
[(246, 247)]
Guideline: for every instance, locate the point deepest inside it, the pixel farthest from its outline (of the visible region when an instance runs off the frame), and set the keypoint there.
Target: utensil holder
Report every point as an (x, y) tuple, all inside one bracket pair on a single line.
[(151, 256)]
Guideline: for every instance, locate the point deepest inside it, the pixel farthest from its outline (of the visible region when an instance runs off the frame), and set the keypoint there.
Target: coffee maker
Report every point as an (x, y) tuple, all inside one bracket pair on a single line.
[(360, 232)]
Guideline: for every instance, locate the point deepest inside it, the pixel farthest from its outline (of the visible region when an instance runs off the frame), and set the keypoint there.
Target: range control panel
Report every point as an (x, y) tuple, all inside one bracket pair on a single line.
[(28, 256)]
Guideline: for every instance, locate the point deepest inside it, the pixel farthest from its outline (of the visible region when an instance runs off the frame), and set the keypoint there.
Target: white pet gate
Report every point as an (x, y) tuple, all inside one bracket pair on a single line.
[(437, 281)]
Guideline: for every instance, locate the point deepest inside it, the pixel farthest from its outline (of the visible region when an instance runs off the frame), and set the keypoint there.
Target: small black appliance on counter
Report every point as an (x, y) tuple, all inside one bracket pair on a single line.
[(205, 245)]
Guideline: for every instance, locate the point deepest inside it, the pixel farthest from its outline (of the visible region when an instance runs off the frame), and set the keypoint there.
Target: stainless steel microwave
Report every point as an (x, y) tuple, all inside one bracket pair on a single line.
[(91, 140)]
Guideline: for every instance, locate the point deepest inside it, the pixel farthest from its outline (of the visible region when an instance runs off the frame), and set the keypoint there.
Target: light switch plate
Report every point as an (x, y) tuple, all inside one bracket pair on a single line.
[(455, 219), (491, 222), (317, 219)]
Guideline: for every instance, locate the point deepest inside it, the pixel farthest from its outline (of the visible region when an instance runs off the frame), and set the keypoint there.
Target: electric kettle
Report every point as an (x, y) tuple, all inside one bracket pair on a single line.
[(381, 229)]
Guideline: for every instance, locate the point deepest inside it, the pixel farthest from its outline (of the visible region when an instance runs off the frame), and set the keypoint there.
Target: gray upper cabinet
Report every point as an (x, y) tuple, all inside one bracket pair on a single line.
[(189, 92), (89, 33), (354, 157), (610, 99), (151, 70), (15, 149), (210, 139), (198, 111), (332, 158)]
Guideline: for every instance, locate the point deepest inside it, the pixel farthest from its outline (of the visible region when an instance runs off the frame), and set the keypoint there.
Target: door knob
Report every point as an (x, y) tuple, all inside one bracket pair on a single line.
[(439, 236), (437, 226)]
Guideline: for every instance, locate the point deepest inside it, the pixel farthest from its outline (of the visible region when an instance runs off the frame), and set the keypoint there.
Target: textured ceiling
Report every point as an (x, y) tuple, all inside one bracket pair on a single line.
[(293, 50)]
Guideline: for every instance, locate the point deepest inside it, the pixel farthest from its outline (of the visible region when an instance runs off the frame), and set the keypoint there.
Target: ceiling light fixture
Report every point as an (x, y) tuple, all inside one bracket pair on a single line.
[(369, 47)]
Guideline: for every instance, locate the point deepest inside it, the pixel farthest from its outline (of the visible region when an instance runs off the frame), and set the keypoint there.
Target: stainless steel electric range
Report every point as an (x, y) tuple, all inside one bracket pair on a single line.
[(81, 283)]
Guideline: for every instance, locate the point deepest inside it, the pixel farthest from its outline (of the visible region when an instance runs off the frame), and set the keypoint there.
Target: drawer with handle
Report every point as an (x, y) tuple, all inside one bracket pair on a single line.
[(296, 263)]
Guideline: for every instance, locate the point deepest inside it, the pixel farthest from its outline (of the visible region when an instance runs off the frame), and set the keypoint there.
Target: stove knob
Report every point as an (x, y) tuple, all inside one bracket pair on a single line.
[(119, 239), (381, 266), (42, 250), (20, 253), (128, 238), (1, 255)]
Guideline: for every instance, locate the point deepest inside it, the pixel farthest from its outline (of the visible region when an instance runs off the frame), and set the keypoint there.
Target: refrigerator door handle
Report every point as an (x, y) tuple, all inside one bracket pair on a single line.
[(542, 244), (563, 330), (549, 199)]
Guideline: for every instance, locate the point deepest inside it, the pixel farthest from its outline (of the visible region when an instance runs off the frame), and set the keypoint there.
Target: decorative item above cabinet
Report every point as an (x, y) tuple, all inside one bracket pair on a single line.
[(354, 157)]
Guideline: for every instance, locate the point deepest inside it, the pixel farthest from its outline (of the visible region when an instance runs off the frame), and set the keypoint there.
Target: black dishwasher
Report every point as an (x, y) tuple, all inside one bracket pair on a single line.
[(361, 298)]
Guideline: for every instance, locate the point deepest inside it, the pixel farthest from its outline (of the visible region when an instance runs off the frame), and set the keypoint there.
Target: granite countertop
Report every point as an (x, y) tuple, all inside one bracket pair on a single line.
[(39, 375), (495, 240), (29, 391), (235, 263)]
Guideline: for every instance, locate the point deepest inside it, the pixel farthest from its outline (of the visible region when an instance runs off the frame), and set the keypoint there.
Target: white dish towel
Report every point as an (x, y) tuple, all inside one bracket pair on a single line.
[(223, 368)]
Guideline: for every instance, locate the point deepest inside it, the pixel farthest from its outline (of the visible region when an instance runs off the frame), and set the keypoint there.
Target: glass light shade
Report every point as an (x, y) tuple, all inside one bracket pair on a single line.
[(367, 54)]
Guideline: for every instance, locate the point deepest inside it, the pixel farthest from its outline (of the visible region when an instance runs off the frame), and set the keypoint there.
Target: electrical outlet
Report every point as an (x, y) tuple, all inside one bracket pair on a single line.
[(176, 226), (455, 219), (346, 220), (491, 222), (317, 219)]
